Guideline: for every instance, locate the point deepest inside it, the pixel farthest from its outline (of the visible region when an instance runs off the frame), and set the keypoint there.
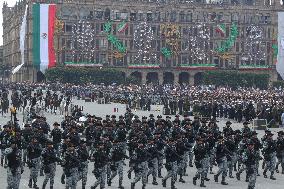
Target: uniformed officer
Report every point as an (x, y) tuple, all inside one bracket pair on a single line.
[(200, 152), (14, 169), (221, 159), (49, 164), (100, 158), (269, 154), (280, 151), (34, 151), (83, 156)]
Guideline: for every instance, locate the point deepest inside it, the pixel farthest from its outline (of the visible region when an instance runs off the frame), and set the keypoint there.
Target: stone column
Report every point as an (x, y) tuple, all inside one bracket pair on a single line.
[(191, 79), (144, 75), (176, 77), (161, 77)]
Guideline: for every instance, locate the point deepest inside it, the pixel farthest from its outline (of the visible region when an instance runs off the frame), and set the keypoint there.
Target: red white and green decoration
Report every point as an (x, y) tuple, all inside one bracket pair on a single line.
[(43, 36)]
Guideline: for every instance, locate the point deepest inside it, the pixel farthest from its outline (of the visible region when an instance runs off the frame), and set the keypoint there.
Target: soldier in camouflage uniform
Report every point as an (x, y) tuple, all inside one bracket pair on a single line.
[(100, 158), (34, 150), (49, 164), (280, 151), (83, 157), (141, 165), (250, 158), (200, 153), (269, 154), (71, 164), (117, 156), (14, 169)]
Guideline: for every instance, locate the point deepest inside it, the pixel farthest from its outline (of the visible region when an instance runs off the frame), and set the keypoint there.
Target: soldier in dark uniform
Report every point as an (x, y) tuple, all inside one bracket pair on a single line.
[(172, 158), (56, 135), (221, 159), (34, 151), (269, 154), (100, 158), (49, 164), (83, 156), (200, 152), (15, 168), (280, 151)]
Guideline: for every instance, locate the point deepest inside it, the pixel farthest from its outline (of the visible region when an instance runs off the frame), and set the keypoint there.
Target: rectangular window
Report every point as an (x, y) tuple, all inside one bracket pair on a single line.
[(133, 16), (68, 28)]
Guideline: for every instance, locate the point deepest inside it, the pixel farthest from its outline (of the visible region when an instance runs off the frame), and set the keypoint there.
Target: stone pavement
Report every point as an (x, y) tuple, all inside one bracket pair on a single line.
[(102, 110)]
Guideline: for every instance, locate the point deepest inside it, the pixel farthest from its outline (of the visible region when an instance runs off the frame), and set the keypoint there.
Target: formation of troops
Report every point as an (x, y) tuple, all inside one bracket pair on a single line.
[(142, 146)]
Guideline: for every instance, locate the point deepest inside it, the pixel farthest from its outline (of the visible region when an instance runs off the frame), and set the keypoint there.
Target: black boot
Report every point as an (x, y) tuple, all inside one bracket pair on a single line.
[(264, 174), (120, 185), (276, 169), (160, 173), (206, 179), (154, 181), (194, 180), (30, 183), (109, 182), (2, 162), (231, 175), (164, 183), (51, 187), (83, 186), (43, 186), (129, 174), (132, 185), (62, 179), (41, 173), (247, 178), (223, 181), (272, 177), (238, 175), (202, 183), (143, 186), (216, 178), (173, 185), (263, 165), (181, 179), (36, 187)]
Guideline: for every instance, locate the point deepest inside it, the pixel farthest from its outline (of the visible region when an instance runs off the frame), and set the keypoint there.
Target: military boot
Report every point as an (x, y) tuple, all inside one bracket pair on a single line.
[(264, 174), (173, 185), (120, 185), (51, 187), (164, 183), (41, 173), (160, 173), (202, 183), (238, 175), (144, 186), (194, 180), (2, 162), (155, 181), (36, 187), (62, 179), (223, 182), (129, 174), (44, 185), (272, 177), (181, 179), (132, 185), (247, 178), (30, 183), (216, 178), (83, 186)]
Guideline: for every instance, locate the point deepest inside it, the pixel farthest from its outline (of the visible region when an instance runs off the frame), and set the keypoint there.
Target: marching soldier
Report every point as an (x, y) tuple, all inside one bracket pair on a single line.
[(49, 164), (171, 163), (280, 151), (71, 164), (141, 165), (200, 152), (34, 151), (15, 168), (56, 134), (221, 158), (269, 154), (83, 156), (117, 156), (100, 158), (250, 157)]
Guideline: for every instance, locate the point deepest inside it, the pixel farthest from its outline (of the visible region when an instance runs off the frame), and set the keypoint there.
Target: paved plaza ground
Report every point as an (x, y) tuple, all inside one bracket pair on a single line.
[(101, 110)]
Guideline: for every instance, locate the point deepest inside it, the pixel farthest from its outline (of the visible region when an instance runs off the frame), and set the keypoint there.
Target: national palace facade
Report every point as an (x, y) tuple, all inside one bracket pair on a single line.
[(165, 41)]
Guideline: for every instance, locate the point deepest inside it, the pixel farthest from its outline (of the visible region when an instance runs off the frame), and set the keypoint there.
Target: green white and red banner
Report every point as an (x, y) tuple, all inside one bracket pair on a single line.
[(43, 36), (221, 28)]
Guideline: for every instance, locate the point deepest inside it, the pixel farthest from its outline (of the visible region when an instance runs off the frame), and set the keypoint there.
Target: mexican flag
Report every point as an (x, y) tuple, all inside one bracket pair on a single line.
[(221, 28), (122, 27), (43, 36)]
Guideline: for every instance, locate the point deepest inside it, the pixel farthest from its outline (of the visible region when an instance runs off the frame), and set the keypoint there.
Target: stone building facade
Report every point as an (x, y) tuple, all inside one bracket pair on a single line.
[(161, 41)]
